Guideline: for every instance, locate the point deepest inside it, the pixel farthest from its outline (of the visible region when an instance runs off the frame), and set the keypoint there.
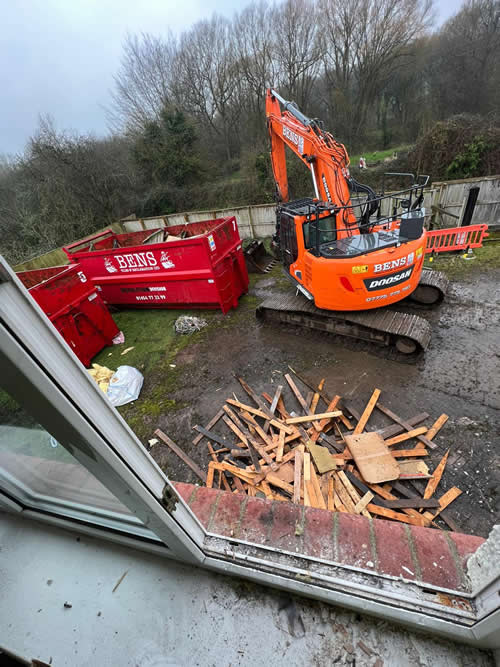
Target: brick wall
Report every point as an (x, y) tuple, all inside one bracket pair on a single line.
[(423, 555)]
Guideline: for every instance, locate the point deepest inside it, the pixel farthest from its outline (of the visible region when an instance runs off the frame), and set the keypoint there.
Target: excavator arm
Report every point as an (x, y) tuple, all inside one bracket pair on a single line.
[(326, 158)]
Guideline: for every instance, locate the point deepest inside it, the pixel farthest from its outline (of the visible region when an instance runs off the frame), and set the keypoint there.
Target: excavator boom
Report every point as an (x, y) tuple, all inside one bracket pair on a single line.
[(326, 158)]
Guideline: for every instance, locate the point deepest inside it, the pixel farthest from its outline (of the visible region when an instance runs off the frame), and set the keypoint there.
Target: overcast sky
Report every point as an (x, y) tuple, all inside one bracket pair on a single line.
[(58, 57)]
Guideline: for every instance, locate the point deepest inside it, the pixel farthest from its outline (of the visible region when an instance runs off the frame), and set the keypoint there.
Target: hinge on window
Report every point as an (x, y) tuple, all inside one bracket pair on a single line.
[(169, 498), (5, 277)]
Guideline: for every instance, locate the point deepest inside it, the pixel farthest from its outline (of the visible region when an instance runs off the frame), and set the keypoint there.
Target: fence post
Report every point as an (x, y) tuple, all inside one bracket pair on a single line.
[(250, 223), (469, 207)]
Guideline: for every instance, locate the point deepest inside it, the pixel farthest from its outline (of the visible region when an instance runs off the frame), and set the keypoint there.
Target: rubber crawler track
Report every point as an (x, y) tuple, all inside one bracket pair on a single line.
[(383, 325)]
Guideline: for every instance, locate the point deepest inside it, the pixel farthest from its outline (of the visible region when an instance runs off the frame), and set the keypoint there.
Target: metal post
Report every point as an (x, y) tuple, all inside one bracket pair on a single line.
[(470, 206)]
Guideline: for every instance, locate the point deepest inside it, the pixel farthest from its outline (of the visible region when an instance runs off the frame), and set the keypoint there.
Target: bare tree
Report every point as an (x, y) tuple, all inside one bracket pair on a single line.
[(365, 42), (255, 39), (143, 85), (297, 48), (208, 75), (465, 67)]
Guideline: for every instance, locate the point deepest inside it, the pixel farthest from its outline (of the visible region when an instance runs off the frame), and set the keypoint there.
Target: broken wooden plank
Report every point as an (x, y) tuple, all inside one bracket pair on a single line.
[(361, 504), (276, 398), (306, 457), (255, 428), (372, 456), (419, 488), (417, 520), (438, 424), (387, 495), (235, 430), (281, 446), (264, 486), (255, 398), (406, 436), (213, 436), (324, 422), (297, 479), (355, 497), (436, 477), (210, 475), (210, 425), (403, 453), (239, 486), (330, 500), (246, 408), (345, 498), (317, 490), (182, 455), (314, 403), (233, 416), (396, 429), (405, 425), (444, 501), (337, 502), (363, 488), (367, 412), (337, 447), (411, 503), (303, 403), (252, 478), (222, 476), (273, 479), (312, 418)]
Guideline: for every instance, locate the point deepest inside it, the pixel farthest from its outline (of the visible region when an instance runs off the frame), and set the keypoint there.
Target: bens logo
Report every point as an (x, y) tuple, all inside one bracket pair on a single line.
[(397, 263), (373, 284), (294, 138), (387, 266), (134, 261)]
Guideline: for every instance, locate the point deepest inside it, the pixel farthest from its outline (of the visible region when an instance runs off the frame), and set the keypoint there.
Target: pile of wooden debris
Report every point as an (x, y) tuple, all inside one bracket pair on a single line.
[(324, 459)]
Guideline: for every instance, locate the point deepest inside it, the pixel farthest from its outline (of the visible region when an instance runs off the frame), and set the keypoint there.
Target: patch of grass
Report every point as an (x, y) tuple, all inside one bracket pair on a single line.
[(372, 157), (155, 345)]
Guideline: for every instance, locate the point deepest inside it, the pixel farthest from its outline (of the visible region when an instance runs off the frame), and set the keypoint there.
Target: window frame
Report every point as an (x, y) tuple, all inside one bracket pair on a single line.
[(40, 368)]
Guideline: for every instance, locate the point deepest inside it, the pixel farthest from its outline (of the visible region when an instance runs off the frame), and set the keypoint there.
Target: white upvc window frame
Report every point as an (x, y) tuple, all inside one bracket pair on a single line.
[(40, 370)]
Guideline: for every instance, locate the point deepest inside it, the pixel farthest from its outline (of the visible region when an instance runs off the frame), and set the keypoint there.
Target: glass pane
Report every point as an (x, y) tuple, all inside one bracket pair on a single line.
[(39, 473)]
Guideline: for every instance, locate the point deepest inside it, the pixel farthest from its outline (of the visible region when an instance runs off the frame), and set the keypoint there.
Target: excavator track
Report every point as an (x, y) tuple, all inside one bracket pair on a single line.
[(431, 290), (409, 333)]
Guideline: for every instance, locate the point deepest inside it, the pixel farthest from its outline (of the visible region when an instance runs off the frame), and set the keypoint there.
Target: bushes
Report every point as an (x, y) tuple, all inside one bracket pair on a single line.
[(461, 147)]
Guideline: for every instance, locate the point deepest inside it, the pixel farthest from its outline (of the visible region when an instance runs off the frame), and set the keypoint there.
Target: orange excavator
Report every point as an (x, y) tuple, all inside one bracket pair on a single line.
[(349, 251)]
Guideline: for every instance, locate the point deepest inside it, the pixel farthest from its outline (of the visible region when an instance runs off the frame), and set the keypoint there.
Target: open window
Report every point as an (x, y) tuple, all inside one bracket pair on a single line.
[(54, 415)]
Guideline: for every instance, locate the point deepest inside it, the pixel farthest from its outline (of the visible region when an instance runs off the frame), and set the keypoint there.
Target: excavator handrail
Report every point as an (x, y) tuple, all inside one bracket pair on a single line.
[(380, 221)]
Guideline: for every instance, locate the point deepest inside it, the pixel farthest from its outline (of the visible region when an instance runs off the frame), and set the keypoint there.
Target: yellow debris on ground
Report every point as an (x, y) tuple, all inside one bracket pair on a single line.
[(101, 375)]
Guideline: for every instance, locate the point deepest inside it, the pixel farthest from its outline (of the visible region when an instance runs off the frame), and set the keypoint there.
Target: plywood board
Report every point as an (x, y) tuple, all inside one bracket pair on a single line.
[(413, 467), (323, 460), (373, 458)]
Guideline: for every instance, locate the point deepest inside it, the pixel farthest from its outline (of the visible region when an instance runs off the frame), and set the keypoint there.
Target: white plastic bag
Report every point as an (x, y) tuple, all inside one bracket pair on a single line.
[(125, 385)]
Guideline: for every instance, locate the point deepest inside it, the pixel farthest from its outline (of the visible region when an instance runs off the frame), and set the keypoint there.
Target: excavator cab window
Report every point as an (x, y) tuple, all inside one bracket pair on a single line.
[(327, 231)]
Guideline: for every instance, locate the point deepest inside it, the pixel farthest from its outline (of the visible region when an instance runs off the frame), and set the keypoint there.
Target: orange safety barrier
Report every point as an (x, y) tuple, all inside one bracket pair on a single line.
[(457, 238)]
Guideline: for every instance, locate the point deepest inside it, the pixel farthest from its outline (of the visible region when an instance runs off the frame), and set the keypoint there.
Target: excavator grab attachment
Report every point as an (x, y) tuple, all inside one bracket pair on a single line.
[(257, 259)]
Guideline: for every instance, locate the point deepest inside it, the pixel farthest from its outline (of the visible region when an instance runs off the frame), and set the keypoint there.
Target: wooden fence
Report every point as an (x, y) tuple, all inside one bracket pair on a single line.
[(444, 203)]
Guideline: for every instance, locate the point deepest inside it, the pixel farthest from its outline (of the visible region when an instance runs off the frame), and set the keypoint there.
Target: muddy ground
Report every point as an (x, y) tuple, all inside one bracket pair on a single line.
[(459, 374)]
